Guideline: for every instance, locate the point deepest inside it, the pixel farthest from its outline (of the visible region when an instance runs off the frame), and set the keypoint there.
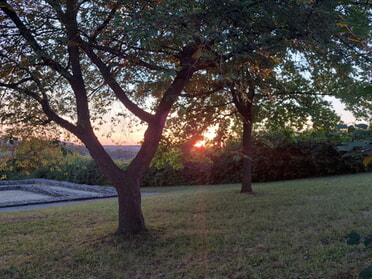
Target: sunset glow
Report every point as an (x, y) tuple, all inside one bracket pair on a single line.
[(208, 136), (200, 143)]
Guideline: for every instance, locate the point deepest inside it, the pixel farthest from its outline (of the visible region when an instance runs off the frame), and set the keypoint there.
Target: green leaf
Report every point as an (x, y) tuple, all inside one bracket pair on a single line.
[(362, 126), (341, 126), (367, 90), (349, 146)]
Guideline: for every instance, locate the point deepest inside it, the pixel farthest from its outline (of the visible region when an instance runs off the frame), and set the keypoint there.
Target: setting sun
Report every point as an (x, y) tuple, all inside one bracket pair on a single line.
[(200, 143), (205, 139)]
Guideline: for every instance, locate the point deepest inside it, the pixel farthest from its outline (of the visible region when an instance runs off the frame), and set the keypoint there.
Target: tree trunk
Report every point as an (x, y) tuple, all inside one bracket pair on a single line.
[(127, 184), (131, 220), (247, 158), (243, 101)]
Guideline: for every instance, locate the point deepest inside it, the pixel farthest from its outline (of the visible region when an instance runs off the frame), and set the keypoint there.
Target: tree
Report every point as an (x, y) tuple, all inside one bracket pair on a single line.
[(332, 67), (66, 61), (29, 154), (298, 54)]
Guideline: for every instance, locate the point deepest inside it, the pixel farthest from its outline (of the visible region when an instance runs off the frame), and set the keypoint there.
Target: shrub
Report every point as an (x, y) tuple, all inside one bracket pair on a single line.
[(282, 161), (77, 169)]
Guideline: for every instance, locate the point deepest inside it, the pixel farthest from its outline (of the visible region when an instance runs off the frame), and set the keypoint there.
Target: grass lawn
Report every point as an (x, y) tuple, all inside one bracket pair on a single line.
[(289, 229)]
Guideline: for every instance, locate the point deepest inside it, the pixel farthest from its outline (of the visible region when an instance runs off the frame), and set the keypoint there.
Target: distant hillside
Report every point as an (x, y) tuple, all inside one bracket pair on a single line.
[(117, 152), (122, 152)]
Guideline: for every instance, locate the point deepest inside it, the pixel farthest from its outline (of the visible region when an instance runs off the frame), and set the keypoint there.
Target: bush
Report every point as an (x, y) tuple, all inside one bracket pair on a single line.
[(78, 169), (193, 173), (282, 161), (274, 158), (296, 160)]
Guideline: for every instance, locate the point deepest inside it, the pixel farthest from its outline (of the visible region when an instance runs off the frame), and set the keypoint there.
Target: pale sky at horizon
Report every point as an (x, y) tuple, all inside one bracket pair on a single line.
[(123, 137)]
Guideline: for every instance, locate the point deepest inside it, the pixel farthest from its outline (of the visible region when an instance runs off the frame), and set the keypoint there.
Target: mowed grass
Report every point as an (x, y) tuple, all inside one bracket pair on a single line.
[(289, 229)]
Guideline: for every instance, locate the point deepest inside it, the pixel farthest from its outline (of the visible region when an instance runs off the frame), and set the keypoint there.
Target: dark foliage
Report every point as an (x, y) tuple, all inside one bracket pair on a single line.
[(283, 161)]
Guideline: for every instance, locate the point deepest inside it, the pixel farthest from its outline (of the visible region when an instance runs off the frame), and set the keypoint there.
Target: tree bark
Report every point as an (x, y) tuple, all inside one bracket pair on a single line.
[(247, 158), (127, 184), (131, 220), (244, 103)]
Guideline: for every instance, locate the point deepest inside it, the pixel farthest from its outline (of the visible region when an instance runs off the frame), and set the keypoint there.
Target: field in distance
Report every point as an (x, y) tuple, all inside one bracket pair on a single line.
[(117, 152)]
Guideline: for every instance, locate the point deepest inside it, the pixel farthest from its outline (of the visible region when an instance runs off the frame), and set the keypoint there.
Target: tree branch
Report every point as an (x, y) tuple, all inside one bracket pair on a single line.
[(52, 116), (110, 80), (69, 20), (200, 94), (365, 56), (131, 58), (302, 93), (27, 35), (105, 23)]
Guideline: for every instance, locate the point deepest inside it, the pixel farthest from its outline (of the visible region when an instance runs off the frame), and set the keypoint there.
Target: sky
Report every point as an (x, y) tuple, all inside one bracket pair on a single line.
[(346, 116), (121, 135)]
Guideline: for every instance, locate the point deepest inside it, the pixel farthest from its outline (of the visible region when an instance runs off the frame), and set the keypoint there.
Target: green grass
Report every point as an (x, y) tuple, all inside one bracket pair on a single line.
[(289, 229)]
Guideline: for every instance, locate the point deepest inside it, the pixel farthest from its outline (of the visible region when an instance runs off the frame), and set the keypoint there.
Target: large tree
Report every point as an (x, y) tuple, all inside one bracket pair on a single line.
[(288, 85), (294, 55), (66, 61)]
